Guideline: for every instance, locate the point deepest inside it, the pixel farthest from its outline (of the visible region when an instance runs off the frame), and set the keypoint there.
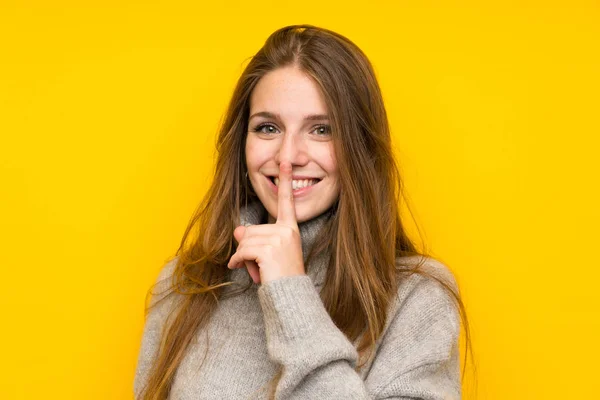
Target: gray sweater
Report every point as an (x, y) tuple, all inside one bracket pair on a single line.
[(285, 323)]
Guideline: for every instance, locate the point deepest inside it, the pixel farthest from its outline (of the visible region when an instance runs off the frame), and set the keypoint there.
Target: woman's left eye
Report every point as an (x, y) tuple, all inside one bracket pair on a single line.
[(323, 130)]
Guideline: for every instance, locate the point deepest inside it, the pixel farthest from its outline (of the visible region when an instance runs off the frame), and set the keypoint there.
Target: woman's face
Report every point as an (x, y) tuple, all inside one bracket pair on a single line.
[(288, 122)]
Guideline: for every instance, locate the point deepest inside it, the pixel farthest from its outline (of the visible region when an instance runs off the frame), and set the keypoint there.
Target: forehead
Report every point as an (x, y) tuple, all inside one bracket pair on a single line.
[(288, 92)]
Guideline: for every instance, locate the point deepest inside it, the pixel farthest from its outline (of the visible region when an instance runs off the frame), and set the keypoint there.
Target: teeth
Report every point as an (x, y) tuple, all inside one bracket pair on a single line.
[(298, 184)]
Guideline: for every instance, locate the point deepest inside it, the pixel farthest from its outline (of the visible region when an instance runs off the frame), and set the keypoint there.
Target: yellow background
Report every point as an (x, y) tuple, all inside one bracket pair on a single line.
[(108, 113)]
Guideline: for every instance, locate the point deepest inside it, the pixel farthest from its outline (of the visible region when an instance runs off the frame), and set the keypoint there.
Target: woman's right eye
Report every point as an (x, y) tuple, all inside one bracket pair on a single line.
[(271, 128)]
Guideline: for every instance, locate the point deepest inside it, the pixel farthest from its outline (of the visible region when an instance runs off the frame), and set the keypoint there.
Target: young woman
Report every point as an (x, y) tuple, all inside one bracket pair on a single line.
[(295, 277)]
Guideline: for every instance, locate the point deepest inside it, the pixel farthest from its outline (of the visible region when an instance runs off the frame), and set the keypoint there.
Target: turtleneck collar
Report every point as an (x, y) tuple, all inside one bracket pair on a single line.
[(254, 213)]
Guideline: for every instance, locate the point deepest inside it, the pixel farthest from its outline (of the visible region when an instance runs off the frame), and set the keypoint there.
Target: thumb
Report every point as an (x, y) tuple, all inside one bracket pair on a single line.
[(238, 233)]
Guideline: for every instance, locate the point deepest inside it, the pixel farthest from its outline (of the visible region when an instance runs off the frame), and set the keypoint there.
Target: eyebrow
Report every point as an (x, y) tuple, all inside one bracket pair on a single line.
[(311, 117)]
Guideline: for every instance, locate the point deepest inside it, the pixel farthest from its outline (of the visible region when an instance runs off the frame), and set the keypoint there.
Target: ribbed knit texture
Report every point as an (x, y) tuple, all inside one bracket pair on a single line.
[(284, 323)]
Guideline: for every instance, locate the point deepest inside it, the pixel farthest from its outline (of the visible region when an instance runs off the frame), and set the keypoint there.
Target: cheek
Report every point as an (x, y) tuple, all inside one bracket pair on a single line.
[(248, 154), (330, 162), (255, 154), (331, 167)]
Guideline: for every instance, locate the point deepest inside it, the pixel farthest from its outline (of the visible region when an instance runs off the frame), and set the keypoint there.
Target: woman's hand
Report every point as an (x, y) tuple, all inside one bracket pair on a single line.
[(272, 251)]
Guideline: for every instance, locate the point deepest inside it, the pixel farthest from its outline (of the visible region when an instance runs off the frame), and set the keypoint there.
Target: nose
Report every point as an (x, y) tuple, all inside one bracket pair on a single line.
[(292, 149)]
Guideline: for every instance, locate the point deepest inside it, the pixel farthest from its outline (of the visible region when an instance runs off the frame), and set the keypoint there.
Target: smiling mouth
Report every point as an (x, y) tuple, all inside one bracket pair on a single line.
[(297, 183)]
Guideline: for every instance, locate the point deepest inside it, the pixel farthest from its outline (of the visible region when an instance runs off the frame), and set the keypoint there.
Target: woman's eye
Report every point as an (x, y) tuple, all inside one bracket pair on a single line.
[(270, 128), (323, 130)]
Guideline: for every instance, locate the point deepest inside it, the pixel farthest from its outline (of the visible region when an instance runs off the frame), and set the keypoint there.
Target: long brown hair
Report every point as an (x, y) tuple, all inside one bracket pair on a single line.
[(365, 235)]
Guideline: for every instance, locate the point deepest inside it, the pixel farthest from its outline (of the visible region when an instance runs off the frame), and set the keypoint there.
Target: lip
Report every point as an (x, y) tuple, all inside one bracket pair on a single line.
[(297, 192), (298, 177)]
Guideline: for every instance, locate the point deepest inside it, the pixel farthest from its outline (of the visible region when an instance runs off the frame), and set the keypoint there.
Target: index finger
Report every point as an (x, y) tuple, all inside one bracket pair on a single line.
[(286, 210)]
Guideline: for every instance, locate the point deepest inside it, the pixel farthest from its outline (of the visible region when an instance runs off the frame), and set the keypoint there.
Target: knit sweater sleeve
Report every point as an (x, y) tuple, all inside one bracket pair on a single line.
[(417, 357), (154, 323)]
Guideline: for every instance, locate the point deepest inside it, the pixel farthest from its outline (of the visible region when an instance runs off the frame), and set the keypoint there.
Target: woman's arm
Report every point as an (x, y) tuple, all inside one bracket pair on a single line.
[(417, 357), (153, 327)]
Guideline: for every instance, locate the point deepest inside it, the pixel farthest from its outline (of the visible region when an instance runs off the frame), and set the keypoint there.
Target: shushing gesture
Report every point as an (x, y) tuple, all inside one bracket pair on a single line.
[(272, 251)]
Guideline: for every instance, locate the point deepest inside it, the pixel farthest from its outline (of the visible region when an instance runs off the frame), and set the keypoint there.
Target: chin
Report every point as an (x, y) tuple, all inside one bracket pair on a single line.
[(301, 215), (306, 214)]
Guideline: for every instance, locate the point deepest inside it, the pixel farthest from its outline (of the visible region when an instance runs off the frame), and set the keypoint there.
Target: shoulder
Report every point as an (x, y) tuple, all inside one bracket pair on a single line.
[(163, 285), (422, 332), (426, 295), (167, 270), (428, 271)]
